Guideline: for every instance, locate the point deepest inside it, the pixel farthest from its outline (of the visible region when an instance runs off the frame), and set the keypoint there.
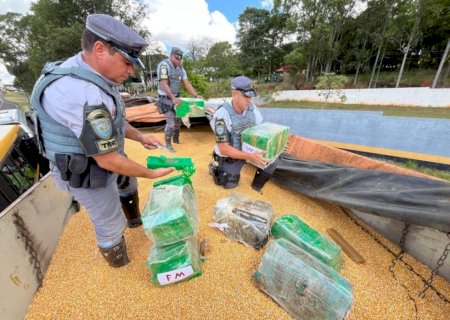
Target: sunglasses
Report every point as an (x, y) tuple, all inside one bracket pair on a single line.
[(248, 93), (178, 56)]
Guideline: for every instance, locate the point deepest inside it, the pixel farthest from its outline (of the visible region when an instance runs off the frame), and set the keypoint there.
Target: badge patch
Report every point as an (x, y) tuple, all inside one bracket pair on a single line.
[(100, 122), (163, 72)]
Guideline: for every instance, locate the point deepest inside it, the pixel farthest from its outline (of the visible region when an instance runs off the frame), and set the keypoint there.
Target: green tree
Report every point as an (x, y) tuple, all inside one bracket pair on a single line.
[(52, 31), (222, 61)]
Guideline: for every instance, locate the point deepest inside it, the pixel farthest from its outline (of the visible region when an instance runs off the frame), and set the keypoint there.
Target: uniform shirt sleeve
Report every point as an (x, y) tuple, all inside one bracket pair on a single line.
[(162, 71), (184, 76), (64, 101), (221, 114)]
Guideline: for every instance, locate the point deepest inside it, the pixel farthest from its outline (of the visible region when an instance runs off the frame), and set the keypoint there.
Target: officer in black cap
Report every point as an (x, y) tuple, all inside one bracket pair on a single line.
[(83, 129), (227, 123), (171, 75)]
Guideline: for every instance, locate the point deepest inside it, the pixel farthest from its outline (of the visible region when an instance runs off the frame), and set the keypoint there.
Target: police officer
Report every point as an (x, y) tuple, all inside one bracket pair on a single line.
[(227, 123), (170, 77), (82, 130)]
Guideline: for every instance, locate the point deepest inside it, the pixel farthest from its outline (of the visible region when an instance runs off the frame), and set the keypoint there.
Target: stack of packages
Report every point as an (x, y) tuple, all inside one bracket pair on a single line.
[(170, 220), (190, 107), (270, 138), (300, 271)]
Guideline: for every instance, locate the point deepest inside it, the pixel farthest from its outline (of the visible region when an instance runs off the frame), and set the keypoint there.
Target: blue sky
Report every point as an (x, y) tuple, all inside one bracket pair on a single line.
[(233, 8)]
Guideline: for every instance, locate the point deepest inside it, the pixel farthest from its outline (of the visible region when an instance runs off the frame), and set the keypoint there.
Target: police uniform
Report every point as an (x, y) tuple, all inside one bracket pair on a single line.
[(227, 125), (175, 76), (80, 115)]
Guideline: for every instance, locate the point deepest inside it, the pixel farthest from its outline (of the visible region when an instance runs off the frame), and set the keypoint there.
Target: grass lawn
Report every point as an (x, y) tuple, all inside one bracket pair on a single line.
[(19, 98)]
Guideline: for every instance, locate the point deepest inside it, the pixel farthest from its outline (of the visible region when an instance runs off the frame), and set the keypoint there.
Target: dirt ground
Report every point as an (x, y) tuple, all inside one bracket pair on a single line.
[(80, 285)]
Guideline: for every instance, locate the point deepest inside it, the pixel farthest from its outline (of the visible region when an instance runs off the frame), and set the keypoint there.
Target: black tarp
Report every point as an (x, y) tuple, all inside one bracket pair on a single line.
[(420, 201)]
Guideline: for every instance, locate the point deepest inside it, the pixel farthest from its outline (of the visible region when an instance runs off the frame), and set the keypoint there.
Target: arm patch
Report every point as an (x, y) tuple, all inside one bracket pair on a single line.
[(163, 72), (98, 135), (221, 131)]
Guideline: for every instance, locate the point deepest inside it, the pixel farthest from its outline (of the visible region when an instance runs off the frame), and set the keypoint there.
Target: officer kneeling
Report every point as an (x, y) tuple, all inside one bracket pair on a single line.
[(227, 123)]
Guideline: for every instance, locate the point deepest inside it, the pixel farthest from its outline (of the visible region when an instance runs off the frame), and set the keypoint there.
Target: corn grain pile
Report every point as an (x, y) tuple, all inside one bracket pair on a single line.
[(80, 285)]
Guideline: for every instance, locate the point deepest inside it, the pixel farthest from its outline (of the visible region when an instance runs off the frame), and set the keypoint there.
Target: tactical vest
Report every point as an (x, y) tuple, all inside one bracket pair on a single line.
[(175, 78), (52, 136), (239, 123)]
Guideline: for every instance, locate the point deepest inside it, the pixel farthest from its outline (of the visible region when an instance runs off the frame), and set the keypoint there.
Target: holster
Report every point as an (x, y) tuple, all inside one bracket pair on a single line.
[(80, 171), (222, 178), (164, 104)]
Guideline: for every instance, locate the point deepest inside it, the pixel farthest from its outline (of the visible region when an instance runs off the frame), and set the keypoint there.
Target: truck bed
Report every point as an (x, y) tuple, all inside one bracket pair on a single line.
[(80, 285)]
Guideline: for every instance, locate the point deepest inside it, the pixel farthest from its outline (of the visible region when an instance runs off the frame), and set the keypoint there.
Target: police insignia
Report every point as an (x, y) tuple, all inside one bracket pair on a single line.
[(163, 73), (221, 131), (100, 123)]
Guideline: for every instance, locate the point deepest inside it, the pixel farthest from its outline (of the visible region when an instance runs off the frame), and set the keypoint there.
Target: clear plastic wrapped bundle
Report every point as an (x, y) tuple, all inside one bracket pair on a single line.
[(270, 138), (292, 228), (176, 262), (170, 214), (243, 219), (302, 284)]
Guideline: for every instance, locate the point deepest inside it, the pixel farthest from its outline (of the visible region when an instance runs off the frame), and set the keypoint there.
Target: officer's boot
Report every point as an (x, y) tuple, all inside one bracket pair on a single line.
[(116, 255), (169, 141), (260, 180), (130, 206), (176, 136)]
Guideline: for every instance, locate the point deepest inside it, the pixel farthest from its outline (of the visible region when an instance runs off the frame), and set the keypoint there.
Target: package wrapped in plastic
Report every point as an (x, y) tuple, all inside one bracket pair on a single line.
[(292, 228), (243, 219), (176, 262), (191, 107), (270, 138), (302, 284), (170, 214)]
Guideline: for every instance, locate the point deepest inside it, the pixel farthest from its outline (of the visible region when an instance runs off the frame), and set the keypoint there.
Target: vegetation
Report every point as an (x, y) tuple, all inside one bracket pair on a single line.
[(364, 40), (19, 98)]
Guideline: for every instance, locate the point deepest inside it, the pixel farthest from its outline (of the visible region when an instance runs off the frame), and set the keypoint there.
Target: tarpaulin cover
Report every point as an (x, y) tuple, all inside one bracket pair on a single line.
[(420, 201)]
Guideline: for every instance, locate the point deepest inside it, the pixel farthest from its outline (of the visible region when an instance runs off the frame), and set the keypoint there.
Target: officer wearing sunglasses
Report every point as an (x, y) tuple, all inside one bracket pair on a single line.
[(227, 123), (171, 75)]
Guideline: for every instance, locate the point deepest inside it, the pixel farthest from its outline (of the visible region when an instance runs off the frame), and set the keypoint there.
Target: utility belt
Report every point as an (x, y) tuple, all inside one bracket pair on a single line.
[(81, 171), (222, 160), (164, 103)]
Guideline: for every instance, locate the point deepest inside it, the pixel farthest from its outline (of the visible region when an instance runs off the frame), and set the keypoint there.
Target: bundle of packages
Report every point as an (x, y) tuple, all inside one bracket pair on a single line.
[(270, 138), (190, 107), (243, 219), (302, 284), (175, 262), (292, 228), (170, 214)]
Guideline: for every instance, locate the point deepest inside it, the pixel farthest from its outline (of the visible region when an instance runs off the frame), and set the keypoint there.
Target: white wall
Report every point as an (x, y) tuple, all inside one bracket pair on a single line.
[(423, 97)]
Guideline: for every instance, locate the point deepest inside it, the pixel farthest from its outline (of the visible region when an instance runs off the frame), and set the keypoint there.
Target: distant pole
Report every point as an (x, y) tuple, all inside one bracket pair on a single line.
[(444, 57)]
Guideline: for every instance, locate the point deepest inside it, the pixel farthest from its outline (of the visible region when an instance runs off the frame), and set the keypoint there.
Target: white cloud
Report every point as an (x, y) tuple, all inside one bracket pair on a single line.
[(267, 4), (177, 22), (20, 6)]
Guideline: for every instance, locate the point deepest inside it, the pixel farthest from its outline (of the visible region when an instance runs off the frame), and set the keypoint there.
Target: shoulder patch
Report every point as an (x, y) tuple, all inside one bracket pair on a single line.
[(163, 72), (100, 123), (221, 131)]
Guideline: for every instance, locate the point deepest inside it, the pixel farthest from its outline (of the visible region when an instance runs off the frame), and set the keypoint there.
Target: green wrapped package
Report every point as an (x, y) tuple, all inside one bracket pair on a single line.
[(243, 219), (302, 284), (176, 262), (184, 164), (270, 138), (191, 107), (292, 228), (170, 214)]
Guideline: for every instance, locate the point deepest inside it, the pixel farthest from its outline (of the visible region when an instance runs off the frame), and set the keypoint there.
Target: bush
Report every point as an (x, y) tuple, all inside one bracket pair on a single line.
[(332, 85)]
